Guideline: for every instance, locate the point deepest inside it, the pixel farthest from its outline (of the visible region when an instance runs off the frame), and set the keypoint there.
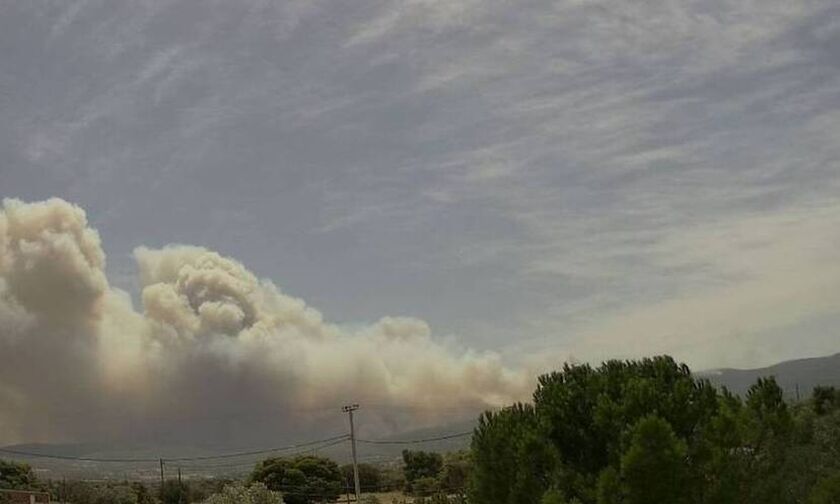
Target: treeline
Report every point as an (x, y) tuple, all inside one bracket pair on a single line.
[(309, 479), (304, 479), (643, 432), (626, 432), (19, 476)]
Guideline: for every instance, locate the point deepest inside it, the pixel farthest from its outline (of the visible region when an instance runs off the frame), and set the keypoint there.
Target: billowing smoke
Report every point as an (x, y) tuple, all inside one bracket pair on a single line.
[(213, 354)]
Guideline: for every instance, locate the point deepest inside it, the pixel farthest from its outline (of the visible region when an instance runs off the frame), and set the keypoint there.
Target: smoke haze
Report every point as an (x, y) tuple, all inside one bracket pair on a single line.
[(213, 353)]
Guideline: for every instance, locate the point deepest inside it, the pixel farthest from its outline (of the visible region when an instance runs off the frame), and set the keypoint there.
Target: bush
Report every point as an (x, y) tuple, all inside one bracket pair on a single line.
[(176, 492), (15, 476), (827, 491), (421, 471), (237, 493), (370, 477), (425, 487), (80, 492), (455, 474)]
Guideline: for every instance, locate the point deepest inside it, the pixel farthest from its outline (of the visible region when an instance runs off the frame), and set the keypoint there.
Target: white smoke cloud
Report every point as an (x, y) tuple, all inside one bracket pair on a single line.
[(215, 353)]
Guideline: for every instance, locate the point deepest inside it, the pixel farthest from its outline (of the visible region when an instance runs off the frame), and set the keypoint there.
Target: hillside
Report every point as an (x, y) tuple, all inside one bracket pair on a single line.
[(802, 373), (384, 450)]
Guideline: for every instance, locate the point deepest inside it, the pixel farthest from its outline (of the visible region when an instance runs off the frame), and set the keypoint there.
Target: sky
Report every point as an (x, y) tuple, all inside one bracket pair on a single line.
[(540, 180)]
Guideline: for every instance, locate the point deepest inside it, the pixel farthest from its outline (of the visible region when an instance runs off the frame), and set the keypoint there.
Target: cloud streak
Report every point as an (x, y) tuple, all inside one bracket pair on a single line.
[(541, 175)]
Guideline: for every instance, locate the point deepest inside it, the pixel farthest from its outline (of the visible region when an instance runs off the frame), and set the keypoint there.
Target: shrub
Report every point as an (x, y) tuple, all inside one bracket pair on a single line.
[(237, 493)]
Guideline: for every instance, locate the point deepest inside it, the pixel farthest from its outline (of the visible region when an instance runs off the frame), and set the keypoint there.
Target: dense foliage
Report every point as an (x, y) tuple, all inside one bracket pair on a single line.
[(429, 474), (649, 431), (370, 477), (15, 476), (176, 492), (302, 479), (256, 493), (421, 470)]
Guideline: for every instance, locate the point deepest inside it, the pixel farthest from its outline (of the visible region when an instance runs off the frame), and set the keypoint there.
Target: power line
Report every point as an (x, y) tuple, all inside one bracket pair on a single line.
[(414, 441), (55, 456), (76, 459), (244, 464), (341, 437), (337, 439)]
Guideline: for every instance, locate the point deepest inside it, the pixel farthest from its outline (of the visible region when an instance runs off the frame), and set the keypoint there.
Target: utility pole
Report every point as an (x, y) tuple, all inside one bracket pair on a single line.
[(349, 409), (161, 479)]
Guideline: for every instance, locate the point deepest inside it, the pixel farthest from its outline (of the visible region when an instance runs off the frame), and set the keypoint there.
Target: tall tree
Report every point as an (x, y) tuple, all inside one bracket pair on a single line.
[(420, 464), (653, 469), (301, 480), (511, 463)]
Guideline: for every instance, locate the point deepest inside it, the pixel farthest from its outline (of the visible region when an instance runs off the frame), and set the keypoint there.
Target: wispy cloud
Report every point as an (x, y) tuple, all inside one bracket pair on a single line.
[(534, 174)]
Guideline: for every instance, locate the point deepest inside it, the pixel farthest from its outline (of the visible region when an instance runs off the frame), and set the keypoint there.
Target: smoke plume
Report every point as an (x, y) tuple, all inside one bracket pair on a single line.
[(214, 353)]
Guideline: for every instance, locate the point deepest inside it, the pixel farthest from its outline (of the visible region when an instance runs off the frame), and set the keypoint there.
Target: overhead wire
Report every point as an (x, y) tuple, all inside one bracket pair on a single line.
[(343, 439), (56, 456), (413, 441)]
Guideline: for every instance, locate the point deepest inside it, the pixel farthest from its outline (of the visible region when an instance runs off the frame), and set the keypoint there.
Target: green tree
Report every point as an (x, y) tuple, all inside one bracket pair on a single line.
[(237, 493), (176, 492), (653, 468), (455, 473), (768, 436), (392, 478), (609, 489), (144, 496), (302, 479), (370, 477), (826, 491), (771, 420), (425, 487), (117, 494), (511, 462), (719, 454), (420, 464), (649, 431), (16, 476), (554, 496), (825, 399), (584, 412)]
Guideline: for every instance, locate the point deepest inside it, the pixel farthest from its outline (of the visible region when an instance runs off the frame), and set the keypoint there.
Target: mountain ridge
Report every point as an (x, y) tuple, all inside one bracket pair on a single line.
[(797, 377)]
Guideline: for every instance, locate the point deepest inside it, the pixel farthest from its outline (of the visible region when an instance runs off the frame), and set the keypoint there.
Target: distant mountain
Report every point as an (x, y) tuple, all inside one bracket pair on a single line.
[(801, 374), (371, 449)]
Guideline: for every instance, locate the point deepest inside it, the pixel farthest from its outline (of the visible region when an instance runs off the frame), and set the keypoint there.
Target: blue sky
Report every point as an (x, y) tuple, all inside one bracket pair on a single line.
[(580, 179)]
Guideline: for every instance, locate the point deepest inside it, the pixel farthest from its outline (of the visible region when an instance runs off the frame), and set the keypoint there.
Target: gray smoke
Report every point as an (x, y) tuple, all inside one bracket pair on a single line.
[(214, 353)]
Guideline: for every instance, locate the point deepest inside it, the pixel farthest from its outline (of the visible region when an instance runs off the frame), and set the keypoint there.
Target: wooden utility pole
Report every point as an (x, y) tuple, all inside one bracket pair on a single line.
[(180, 487), (161, 479), (349, 409)]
